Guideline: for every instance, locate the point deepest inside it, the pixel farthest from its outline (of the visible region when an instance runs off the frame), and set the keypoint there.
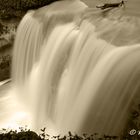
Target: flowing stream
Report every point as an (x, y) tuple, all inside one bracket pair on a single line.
[(74, 69)]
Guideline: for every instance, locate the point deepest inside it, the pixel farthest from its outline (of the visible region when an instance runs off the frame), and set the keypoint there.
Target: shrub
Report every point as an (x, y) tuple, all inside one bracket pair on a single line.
[(17, 8)]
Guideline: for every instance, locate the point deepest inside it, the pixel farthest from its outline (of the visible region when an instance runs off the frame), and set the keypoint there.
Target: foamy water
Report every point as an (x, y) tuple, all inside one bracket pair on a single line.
[(75, 70)]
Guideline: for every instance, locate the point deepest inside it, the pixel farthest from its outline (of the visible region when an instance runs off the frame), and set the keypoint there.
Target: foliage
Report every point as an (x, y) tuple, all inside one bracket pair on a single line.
[(23, 134), (133, 124), (27, 134), (24, 4), (1, 28), (5, 67), (17, 8)]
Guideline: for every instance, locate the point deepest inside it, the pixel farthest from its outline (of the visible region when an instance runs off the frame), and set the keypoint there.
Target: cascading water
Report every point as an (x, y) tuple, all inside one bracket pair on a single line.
[(75, 68)]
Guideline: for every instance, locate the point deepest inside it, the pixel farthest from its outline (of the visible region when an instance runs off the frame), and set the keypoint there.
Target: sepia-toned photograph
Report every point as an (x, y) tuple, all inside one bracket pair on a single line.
[(69, 69)]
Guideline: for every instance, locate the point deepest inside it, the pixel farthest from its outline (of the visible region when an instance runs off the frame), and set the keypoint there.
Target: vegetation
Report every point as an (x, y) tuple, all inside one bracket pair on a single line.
[(17, 8), (21, 135), (12, 10), (5, 67), (133, 125), (25, 134), (132, 132)]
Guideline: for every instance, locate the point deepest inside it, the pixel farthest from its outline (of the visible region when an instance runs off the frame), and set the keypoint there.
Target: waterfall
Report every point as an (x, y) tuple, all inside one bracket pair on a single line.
[(76, 68)]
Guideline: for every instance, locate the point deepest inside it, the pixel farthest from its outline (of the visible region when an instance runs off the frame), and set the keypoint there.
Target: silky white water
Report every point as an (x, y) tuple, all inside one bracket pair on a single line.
[(75, 69)]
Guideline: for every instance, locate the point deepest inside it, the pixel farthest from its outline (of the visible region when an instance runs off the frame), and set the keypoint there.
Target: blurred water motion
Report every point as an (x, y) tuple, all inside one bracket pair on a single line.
[(76, 68)]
